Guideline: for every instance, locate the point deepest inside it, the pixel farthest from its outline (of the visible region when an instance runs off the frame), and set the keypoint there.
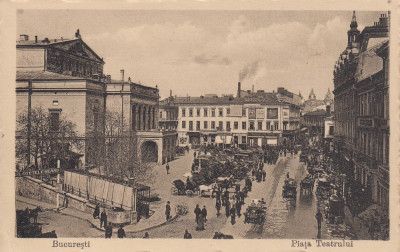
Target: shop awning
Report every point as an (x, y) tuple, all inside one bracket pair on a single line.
[(218, 140), (228, 140)]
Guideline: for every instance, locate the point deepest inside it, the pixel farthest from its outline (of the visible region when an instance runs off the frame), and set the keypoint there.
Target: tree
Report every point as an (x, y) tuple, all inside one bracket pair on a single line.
[(52, 138), (120, 158)]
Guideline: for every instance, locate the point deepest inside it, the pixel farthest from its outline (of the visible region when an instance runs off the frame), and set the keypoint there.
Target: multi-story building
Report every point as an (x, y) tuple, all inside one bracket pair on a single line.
[(168, 123), (362, 108), (256, 119), (373, 105), (345, 101), (63, 77)]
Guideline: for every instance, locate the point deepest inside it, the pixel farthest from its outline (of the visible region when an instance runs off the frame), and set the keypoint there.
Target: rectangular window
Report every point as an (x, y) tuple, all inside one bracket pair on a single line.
[(331, 130), (235, 125), (212, 125), (251, 125), (243, 139), (269, 126), (183, 112), (198, 125), (183, 124), (228, 126), (285, 125), (220, 126), (190, 112), (243, 112), (220, 112), (198, 112), (190, 125), (276, 126), (213, 112), (55, 120), (205, 112), (205, 124), (259, 125), (160, 114), (228, 111), (243, 125)]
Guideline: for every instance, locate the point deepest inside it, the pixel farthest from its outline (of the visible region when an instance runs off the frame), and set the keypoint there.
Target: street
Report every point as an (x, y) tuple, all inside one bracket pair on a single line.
[(284, 218)]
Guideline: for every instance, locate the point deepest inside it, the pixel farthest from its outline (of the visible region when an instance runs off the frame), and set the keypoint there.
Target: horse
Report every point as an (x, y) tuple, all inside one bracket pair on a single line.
[(33, 213)]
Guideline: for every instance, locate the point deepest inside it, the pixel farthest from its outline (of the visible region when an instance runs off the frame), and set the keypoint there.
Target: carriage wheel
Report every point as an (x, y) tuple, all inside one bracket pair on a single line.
[(174, 191), (189, 193)]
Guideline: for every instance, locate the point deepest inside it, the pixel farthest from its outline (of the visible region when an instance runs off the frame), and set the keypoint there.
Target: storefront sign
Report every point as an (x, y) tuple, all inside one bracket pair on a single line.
[(260, 113), (37, 172), (252, 113), (272, 113)]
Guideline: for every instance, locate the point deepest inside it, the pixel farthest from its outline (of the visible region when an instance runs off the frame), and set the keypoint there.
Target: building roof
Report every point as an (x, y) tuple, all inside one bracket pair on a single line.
[(316, 113), (203, 100), (45, 75), (118, 82), (44, 42)]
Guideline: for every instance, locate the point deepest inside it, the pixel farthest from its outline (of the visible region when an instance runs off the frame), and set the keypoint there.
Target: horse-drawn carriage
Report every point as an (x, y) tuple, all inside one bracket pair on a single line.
[(306, 184), (28, 229), (323, 188), (225, 182), (334, 212), (180, 188), (255, 212), (289, 188)]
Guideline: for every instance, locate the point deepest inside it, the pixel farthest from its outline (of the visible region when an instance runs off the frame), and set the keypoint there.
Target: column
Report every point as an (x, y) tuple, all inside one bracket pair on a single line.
[(140, 118), (144, 117), (154, 118), (136, 117), (151, 117), (133, 118), (149, 126)]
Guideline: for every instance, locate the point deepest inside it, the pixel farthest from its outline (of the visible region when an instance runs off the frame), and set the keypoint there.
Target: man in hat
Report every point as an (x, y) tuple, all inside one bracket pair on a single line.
[(187, 235), (318, 216), (168, 211), (108, 233), (197, 212), (96, 212), (218, 206), (204, 213), (167, 168), (121, 232), (103, 218)]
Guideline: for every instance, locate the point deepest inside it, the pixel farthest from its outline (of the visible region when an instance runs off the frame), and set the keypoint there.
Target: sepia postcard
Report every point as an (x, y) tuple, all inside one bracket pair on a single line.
[(199, 126)]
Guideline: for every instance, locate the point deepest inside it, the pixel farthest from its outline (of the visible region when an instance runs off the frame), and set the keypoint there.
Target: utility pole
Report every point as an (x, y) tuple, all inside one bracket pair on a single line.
[(122, 100), (28, 155)]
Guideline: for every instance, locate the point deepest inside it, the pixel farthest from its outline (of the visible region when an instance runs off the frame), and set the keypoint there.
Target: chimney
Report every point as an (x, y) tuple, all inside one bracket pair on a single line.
[(384, 20), (170, 93), (129, 80), (122, 75), (35, 39), (239, 89), (328, 110), (23, 37)]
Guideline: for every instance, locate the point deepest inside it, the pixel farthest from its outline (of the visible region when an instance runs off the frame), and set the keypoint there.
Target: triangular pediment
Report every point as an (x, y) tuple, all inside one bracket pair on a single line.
[(78, 47)]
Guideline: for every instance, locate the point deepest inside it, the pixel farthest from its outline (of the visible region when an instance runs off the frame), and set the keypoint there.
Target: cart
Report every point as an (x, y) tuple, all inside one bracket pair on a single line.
[(334, 212), (255, 212), (180, 188), (323, 188), (208, 190), (306, 185), (289, 188)]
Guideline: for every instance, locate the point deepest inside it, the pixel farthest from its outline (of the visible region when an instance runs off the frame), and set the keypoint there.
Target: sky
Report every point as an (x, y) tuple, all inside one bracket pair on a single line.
[(193, 52)]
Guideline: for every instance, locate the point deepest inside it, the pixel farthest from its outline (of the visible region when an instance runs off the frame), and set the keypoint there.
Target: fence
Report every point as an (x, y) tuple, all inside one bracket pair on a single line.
[(100, 190)]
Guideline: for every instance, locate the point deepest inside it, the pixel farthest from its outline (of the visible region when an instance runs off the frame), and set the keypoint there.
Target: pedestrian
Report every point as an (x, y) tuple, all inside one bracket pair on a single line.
[(167, 167), (187, 235), (194, 154), (238, 208), (318, 216), (287, 175), (264, 174), (197, 212), (168, 211), (233, 214), (200, 223), (146, 235), (241, 195), (218, 206), (121, 232), (103, 218), (204, 213), (227, 208), (96, 212), (108, 229)]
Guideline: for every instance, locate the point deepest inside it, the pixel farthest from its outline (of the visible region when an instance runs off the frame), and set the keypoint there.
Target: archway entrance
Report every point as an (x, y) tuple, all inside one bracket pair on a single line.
[(149, 152)]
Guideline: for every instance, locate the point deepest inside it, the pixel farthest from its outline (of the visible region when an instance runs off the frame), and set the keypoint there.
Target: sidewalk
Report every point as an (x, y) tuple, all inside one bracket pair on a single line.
[(156, 220)]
